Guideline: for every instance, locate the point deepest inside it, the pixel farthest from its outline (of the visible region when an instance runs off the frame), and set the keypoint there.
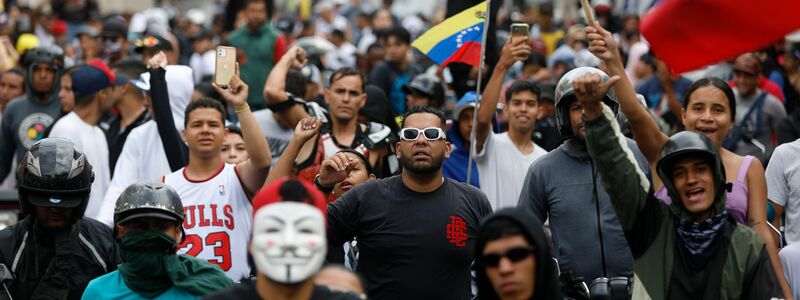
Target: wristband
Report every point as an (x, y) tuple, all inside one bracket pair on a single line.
[(243, 108), (324, 189)]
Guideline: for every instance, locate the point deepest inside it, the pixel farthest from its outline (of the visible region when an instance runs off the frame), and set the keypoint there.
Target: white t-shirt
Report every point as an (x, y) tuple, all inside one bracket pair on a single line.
[(790, 261), (502, 169), (219, 219), (783, 186), (91, 140), (202, 65)]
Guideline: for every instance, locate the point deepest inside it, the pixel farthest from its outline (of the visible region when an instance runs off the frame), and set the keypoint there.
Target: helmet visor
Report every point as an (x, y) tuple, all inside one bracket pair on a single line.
[(53, 200)]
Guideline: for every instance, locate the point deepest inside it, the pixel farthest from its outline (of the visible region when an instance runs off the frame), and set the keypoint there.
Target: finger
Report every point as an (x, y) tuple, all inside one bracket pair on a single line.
[(610, 82), (236, 70), (338, 162), (594, 36), (218, 89)]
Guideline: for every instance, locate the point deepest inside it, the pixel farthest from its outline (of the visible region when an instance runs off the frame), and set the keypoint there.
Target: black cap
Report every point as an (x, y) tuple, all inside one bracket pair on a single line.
[(152, 42), (115, 27)]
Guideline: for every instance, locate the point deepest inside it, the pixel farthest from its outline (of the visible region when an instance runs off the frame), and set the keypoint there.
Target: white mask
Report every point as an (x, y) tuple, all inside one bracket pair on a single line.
[(289, 244)]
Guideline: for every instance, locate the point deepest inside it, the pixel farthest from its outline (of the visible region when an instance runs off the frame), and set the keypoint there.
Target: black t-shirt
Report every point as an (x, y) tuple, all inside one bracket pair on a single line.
[(116, 136), (247, 290), (411, 245)]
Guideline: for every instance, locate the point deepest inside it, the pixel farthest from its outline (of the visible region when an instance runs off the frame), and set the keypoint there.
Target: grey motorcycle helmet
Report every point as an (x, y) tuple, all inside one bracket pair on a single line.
[(565, 95)]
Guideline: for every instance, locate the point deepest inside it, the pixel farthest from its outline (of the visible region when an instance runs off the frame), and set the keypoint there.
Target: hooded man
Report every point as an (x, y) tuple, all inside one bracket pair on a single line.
[(689, 249), (27, 117), (512, 258), (55, 251), (148, 221), (288, 245), (564, 187)]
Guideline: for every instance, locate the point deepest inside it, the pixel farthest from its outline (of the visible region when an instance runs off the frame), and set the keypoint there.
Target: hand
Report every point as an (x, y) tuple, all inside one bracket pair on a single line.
[(307, 128), (603, 45), (335, 169), (157, 61), (590, 89), (515, 49), (297, 56), (663, 74), (236, 93)]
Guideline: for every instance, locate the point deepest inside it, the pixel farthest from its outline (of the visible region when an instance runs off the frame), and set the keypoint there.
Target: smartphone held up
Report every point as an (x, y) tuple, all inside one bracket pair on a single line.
[(225, 65)]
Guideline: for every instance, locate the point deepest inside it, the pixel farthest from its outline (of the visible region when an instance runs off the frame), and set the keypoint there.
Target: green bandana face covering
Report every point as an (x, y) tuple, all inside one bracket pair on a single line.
[(151, 267)]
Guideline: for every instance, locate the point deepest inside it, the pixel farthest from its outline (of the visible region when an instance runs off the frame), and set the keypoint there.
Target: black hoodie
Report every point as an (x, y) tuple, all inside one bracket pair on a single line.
[(547, 282)]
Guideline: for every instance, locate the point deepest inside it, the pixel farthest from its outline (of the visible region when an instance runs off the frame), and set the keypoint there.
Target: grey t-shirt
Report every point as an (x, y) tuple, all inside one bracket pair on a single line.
[(277, 137), (783, 186), (790, 261), (772, 114)]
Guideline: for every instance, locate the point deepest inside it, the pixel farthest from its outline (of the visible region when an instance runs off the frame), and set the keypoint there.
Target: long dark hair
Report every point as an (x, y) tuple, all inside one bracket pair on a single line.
[(717, 83)]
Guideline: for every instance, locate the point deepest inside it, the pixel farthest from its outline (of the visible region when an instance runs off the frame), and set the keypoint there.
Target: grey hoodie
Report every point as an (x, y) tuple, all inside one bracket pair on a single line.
[(24, 122), (560, 186)]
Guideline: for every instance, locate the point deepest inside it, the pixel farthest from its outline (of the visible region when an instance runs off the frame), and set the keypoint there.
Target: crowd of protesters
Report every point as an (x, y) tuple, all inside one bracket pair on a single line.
[(335, 163)]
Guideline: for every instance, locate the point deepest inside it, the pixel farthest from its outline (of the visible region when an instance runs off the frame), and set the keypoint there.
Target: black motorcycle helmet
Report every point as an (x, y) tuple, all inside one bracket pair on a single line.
[(427, 85), (148, 199), (679, 146), (50, 55), (53, 173)]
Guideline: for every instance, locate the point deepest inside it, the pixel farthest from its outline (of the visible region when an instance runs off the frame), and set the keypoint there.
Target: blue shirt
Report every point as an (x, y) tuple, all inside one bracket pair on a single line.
[(112, 286), (652, 90)]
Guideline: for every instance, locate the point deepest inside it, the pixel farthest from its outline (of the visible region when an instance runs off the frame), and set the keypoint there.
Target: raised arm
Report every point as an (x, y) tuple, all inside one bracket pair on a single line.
[(627, 185), (513, 50), (306, 129), (275, 87), (176, 150), (648, 136), (254, 170)]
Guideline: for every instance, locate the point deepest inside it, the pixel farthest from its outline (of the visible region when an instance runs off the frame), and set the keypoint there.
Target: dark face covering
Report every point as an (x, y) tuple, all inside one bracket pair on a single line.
[(151, 267)]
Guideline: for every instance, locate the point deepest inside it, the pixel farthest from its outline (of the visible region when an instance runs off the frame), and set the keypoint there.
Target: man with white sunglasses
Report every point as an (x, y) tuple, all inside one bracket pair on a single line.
[(416, 231)]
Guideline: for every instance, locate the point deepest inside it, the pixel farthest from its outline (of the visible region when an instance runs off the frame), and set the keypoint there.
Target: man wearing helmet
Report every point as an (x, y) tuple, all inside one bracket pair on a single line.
[(424, 90), (27, 117), (54, 252), (587, 238), (689, 249), (148, 221)]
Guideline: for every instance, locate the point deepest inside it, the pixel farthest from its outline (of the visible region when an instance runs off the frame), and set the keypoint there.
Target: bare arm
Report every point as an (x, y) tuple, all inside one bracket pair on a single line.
[(305, 130), (645, 130), (517, 49), (275, 86), (254, 170)]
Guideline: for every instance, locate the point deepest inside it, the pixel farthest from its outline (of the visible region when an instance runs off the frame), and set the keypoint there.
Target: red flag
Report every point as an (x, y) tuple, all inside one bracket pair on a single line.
[(690, 34)]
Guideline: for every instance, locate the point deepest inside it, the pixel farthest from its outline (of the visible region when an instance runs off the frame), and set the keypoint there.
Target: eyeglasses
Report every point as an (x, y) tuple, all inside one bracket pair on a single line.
[(515, 255), (430, 133)]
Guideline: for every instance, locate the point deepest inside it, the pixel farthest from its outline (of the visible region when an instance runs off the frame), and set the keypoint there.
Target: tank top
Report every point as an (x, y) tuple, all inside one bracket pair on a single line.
[(736, 198), (219, 219)]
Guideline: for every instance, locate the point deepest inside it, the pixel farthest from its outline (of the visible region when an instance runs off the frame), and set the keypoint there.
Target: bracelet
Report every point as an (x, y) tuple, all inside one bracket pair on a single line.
[(242, 109), (324, 189)]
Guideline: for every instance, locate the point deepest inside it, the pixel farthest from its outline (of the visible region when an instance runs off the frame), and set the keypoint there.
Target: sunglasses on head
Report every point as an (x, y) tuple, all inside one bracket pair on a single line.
[(430, 133), (514, 255)]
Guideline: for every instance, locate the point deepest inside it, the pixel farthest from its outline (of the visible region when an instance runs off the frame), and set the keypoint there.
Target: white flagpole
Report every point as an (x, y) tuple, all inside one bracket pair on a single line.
[(478, 93)]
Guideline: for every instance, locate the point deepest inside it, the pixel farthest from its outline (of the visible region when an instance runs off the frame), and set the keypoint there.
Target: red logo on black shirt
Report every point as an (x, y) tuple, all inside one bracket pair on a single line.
[(457, 231)]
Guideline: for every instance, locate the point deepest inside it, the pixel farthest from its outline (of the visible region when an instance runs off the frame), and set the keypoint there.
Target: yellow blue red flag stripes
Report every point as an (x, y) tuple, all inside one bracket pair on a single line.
[(456, 39)]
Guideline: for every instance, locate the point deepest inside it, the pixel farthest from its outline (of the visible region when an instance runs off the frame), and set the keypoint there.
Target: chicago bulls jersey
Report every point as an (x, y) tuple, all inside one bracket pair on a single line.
[(218, 220)]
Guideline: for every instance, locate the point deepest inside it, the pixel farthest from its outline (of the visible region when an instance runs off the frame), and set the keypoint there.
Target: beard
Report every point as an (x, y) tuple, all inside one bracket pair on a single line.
[(422, 168)]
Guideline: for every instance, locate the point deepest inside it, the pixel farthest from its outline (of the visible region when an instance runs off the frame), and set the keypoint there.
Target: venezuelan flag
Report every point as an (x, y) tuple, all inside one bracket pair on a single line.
[(456, 39)]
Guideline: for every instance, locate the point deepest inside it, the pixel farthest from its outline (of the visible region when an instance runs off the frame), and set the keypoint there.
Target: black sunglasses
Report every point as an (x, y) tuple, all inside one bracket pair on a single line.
[(515, 255)]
